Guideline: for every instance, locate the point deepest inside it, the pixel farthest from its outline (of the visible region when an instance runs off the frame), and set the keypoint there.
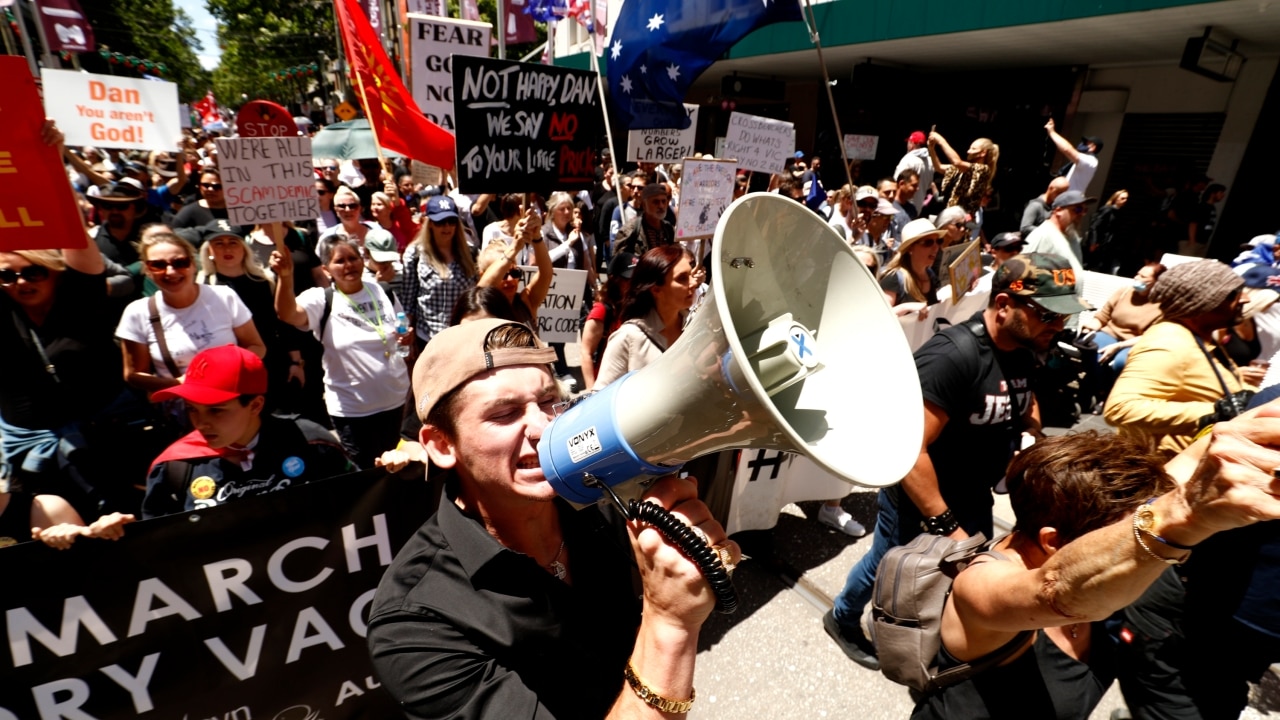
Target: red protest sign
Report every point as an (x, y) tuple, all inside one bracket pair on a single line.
[(38, 208), (263, 118)]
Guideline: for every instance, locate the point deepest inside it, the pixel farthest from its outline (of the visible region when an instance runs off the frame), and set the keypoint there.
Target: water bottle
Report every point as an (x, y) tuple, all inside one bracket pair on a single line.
[(402, 329)]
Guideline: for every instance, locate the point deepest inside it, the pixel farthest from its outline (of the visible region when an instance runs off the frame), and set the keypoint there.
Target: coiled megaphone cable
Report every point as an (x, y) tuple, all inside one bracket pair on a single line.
[(682, 536)]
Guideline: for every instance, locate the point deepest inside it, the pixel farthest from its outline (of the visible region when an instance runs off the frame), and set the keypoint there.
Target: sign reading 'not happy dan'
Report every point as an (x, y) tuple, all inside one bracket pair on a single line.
[(524, 127)]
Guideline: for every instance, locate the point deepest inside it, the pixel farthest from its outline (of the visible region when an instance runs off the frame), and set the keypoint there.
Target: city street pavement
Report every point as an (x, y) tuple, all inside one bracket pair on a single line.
[(771, 659)]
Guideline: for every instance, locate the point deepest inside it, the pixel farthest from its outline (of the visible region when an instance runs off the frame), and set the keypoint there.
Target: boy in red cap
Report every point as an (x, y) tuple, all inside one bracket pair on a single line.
[(235, 451)]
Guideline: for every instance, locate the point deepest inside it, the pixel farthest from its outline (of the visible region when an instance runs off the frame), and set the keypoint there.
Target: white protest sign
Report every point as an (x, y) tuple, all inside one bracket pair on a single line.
[(424, 174), (112, 112), (706, 189), (268, 179), (758, 143), (560, 316), (431, 41), (663, 145), (861, 147)]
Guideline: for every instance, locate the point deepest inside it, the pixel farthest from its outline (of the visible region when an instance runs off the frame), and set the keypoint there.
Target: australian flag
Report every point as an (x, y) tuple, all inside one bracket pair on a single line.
[(659, 47)]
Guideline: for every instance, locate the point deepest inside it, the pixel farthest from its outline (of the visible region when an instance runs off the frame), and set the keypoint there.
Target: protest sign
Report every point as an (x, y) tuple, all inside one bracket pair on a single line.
[(663, 145), (424, 174), (263, 118), (759, 144), (706, 189), (268, 179), (112, 112), (431, 42), (560, 315), (524, 127), (252, 609), (861, 147), (37, 207), (965, 269)]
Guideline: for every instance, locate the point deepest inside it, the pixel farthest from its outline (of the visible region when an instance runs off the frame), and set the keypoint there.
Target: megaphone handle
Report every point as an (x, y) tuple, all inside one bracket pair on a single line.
[(682, 536), (694, 547)]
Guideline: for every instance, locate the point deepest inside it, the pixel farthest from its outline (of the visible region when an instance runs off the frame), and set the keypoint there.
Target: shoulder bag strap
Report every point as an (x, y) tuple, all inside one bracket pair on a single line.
[(328, 309), (32, 338), (1212, 365), (154, 307)]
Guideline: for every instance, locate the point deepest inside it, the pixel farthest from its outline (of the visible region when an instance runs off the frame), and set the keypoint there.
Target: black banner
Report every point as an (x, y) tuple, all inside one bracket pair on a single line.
[(253, 610), (524, 127)]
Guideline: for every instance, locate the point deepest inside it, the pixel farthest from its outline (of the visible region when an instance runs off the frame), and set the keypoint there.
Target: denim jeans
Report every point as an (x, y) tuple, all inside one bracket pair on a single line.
[(851, 601)]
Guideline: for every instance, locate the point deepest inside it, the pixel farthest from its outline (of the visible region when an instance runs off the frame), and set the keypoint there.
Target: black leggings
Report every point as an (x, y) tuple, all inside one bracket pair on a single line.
[(365, 438)]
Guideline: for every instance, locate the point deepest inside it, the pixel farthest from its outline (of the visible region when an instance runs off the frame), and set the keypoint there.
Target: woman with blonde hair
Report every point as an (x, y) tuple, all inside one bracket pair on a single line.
[(909, 276), (438, 269), (500, 268), (162, 333), (965, 181)]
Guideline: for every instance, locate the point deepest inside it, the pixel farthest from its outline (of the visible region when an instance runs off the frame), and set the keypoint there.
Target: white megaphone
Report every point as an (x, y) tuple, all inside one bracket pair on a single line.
[(797, 351)]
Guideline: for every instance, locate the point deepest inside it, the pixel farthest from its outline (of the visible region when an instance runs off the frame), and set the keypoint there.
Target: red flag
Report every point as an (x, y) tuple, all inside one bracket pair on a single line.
[(396, 120)]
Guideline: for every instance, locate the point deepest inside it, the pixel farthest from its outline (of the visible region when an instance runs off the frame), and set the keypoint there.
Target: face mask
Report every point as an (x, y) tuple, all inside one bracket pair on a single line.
[(1083, 147), (1140, 286)]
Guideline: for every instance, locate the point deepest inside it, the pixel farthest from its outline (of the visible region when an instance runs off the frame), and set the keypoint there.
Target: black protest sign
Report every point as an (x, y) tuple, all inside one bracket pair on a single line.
[(253, 609), (524, 127)]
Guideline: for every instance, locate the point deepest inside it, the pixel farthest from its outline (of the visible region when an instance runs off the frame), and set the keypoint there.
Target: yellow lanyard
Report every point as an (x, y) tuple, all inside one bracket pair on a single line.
[(377, 314)]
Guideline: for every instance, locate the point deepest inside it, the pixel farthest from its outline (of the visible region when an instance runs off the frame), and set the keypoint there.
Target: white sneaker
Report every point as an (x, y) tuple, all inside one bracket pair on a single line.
[(837, 518)]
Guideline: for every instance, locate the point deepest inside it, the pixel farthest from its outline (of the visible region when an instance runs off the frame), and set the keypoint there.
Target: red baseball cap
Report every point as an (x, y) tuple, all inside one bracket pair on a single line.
[(916, 138), (219, 375)]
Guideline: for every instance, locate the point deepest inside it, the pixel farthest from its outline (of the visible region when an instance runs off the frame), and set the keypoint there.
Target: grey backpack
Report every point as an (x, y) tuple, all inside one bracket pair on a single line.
[(905, 621)]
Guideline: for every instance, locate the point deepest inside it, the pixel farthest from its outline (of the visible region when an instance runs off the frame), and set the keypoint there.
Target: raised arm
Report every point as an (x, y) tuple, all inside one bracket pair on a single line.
[(287, 309), (1067, 149), (535, 291), (935, 141), (87, 259)]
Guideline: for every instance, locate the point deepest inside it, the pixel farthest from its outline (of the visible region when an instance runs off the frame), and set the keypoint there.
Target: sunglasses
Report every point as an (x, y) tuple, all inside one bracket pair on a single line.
[(868, 205), (636, 187), (30, 273), (162, 265), (211, 186), (446, 221), (331, 168), (927, 242), (347, 206), (515, 274), (322, 192), (1048, 317)]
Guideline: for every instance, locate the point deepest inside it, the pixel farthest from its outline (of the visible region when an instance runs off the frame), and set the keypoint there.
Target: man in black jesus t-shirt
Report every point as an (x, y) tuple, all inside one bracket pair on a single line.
[(978, 402)]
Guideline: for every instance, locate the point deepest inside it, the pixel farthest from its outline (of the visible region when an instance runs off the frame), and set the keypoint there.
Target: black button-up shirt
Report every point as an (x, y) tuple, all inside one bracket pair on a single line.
[(462, 626)]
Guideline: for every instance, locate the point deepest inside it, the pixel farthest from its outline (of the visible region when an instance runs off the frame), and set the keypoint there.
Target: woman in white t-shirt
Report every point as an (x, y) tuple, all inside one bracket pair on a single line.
[(366, 381), (191, 317)]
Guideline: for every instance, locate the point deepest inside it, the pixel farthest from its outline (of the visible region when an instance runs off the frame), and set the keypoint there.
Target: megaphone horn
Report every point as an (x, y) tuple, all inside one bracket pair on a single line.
[(797, 351)]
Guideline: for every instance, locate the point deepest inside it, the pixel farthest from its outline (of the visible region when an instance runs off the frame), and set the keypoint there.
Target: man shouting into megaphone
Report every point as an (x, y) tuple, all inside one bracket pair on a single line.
[(510, 603)]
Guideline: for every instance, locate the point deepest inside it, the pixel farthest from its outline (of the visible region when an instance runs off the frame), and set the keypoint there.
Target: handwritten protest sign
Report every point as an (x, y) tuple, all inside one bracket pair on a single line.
[(663, 145), (113, 112), (706, 189), (759, 144), (268, 179), (861, 147), (432, 40), (524, 127), (424, 174), (965, 270), (37, 207), (560, 316)]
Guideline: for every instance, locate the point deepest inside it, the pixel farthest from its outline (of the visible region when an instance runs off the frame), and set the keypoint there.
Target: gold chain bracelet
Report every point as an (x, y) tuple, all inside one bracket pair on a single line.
[(653, 699)]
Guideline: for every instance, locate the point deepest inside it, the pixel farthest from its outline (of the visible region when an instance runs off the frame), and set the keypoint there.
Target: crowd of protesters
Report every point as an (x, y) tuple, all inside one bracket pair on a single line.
[(238, 360)]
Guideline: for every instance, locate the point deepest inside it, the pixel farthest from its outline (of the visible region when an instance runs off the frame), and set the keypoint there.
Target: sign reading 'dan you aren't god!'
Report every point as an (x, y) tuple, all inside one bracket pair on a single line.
[(268, 179), (113, 112), (524, 127), (37, 207)]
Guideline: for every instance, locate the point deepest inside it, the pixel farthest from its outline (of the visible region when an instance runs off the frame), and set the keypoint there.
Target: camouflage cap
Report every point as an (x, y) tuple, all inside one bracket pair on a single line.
[(1049, 279)]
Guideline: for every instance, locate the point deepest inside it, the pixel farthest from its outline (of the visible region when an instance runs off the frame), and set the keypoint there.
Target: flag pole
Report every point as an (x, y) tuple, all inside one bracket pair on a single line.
[(812, 25), (608, 133), (373, 127)]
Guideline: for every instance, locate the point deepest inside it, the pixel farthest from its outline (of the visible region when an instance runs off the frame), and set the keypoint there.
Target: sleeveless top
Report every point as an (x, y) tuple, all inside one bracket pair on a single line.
[(15, 521), (1044, 683)]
